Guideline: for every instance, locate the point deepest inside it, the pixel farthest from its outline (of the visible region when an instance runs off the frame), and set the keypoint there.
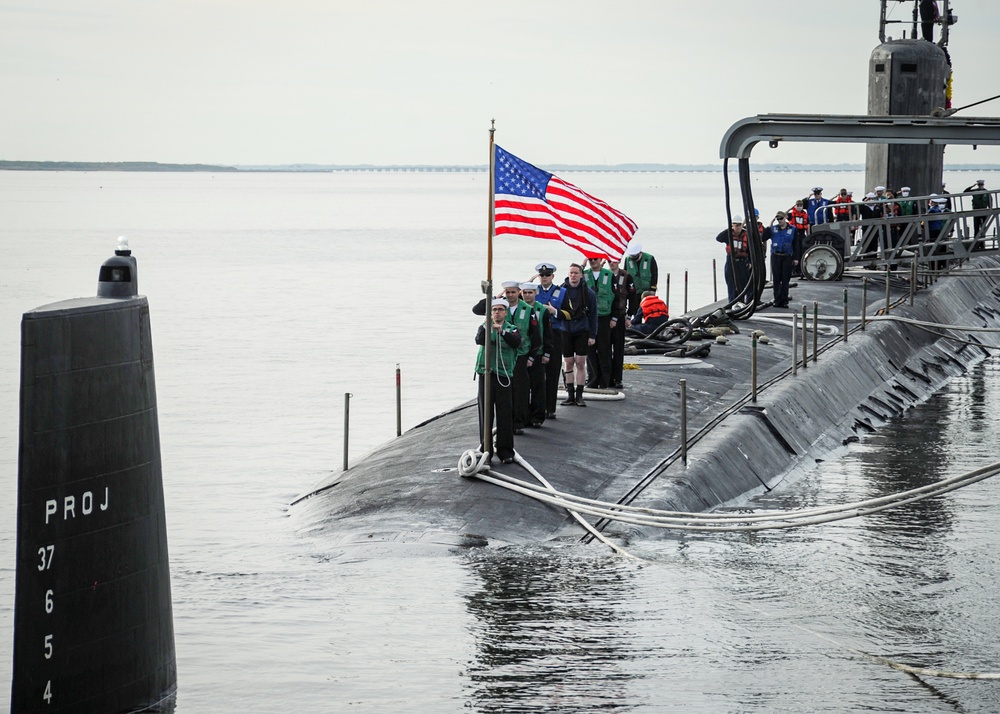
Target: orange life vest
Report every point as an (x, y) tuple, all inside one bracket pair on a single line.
[(799, 218), (652, 306)]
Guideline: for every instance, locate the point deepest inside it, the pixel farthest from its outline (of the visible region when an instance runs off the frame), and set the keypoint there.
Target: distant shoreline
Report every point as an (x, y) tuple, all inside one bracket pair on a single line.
[(153, 166)]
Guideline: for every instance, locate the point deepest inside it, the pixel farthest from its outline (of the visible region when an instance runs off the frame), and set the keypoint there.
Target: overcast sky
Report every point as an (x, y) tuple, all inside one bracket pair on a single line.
[(417, 81)]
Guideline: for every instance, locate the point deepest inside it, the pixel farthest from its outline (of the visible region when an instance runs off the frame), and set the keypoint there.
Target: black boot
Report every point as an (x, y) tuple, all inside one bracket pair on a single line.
[(570, 399), (579, 397)]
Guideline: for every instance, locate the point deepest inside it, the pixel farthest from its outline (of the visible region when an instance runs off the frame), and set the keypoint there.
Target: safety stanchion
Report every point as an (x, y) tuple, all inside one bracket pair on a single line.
[(347, 424)]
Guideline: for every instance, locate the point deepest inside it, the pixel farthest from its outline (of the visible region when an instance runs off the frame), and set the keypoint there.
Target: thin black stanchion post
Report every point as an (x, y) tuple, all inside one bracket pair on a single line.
[(888, 276), (715, 282), (347, 424), (795, 350), (685, 292), (753, 369), (815, 331), (666, 299), (864, 302), (845, 314), (805, 337), (399, 403), (684, 421)]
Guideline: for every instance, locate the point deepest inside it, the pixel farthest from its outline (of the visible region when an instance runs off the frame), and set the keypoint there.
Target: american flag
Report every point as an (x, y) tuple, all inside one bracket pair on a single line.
[(531, 202)]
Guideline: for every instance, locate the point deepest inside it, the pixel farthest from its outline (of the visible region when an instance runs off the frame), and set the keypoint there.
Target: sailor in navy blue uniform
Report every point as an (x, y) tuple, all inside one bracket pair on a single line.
[(782, 237), (816, 205), (551, 296)]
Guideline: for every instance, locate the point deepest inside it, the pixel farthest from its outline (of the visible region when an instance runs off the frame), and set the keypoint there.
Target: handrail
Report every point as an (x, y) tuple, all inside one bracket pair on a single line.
[(742, 136), (962, 230)]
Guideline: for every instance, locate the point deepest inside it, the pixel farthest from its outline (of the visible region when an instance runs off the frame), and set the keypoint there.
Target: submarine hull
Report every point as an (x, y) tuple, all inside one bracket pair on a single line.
[(409, 492)]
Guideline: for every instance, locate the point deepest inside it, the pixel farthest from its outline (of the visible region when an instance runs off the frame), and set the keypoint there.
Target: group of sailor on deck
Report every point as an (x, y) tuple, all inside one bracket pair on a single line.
[(583, 319), (789, 229)]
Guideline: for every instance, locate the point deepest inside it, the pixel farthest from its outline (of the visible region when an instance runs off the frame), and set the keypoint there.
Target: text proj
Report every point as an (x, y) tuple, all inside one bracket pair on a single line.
[(69, 506)]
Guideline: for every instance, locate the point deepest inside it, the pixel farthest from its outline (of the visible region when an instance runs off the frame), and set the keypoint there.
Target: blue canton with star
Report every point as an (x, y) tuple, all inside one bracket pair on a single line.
[(517, 177)]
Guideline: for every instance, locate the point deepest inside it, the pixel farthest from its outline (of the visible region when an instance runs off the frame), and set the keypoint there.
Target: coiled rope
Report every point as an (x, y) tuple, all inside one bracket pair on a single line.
[(477, 464)]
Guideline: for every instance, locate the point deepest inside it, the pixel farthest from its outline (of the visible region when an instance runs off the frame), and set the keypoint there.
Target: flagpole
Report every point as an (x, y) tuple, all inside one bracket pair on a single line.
[(487, 405)]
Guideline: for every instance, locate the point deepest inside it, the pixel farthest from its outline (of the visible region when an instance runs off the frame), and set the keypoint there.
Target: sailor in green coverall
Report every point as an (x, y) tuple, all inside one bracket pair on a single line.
[(642, 267), (601, 280), (505, 340)]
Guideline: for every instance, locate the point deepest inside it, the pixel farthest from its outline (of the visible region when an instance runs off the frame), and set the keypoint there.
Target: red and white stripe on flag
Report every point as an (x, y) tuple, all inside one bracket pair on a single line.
[(531, 202)]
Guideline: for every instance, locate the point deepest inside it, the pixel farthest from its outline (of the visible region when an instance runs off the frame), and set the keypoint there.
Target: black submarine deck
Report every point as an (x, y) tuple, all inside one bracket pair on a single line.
[(410, 490)]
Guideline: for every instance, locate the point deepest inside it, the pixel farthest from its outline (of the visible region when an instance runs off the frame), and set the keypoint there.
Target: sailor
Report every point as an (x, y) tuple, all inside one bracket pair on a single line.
[(980, 201), (642, 267), (505, 340), (539, 361), (905, 204), (651, 314), (842, 202), (782, 237), (929, 14), (935, 224), (601, 280), (799, 219), (578, 315), (526, 321), (815, 205), (550, 295), (627, 298), (737, 268)]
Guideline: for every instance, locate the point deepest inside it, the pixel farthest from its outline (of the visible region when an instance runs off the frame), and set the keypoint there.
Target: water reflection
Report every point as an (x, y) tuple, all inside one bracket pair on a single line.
[(548, 637)]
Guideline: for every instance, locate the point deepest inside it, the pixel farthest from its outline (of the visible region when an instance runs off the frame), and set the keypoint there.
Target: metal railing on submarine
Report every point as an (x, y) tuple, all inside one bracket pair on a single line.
[(884, 241), (924, 236)]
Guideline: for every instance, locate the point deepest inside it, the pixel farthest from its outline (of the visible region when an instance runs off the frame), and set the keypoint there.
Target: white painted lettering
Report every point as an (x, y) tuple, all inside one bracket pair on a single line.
[(69, 506)]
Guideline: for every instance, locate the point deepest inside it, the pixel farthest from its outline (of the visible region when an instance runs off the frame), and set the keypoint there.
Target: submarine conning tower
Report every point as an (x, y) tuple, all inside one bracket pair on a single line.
[(93, 617), (908, 77)]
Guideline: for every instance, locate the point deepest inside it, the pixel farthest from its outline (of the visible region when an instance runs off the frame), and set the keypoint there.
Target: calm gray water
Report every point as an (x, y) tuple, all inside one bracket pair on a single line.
[(273, 295)]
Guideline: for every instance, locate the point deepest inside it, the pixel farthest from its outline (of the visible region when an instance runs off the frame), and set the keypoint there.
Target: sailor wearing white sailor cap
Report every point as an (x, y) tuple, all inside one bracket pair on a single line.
[(906, 207), (538, 360), (642, 267), (526, 321), (505, 340)]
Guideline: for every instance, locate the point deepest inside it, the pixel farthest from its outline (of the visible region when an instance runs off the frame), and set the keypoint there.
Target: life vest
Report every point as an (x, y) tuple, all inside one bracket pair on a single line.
[(653, 307), (740, 244), (603, 285), (781, 239), (624, 290), (641, 271), (842, 210), (503, 355), (539, 310), (814, 207), (523, 316), (799, 218), (573, 306)]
